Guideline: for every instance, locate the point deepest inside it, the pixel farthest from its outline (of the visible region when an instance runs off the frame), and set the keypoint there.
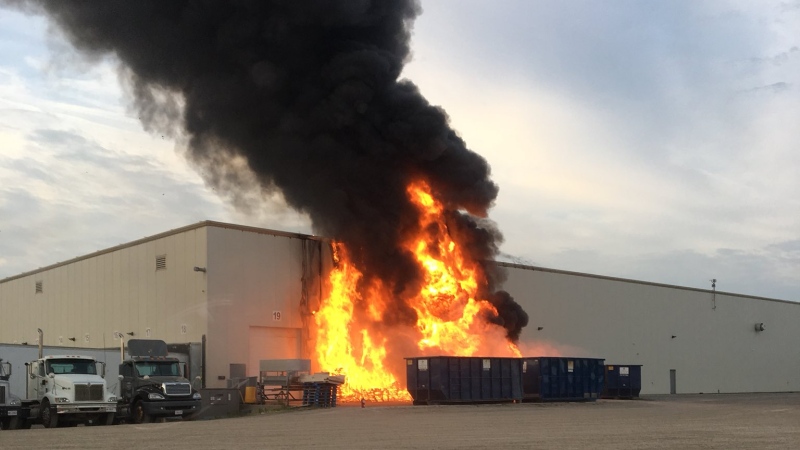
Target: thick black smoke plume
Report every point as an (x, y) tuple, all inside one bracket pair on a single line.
[(308, 93)]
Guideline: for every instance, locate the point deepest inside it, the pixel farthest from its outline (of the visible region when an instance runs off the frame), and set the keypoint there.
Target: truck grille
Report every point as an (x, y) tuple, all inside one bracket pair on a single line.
[(2, 395), (88, 392), (177, 388)]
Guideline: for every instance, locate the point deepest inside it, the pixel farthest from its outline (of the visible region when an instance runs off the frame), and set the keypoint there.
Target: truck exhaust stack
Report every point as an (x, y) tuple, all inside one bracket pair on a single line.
[(41, 342)]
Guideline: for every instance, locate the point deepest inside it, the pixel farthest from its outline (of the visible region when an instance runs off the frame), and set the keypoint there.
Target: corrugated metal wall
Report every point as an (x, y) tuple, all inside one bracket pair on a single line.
[(256, 289), (625, 322), (118, 290)]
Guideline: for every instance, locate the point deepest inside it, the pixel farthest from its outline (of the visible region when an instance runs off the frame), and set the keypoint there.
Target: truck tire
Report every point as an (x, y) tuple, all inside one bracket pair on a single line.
[(5, 424), (138, 415), (48, 415)]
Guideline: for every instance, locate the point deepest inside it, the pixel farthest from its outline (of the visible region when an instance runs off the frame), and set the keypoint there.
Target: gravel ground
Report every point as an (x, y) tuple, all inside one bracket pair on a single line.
[(733, 421)]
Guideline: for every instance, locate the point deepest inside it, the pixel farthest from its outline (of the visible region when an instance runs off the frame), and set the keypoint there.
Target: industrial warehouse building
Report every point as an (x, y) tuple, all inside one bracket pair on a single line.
[(227, 296)]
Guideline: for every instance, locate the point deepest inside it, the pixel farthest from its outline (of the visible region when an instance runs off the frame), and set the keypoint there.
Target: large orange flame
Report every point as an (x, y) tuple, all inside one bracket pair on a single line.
[(351, 338)]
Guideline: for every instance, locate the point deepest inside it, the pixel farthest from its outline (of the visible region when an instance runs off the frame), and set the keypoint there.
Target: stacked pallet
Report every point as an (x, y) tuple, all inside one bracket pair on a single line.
[(320, 394)]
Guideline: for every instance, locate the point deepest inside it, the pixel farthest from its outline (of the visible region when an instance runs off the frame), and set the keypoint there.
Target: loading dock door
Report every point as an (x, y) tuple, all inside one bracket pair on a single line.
[(272, 343)]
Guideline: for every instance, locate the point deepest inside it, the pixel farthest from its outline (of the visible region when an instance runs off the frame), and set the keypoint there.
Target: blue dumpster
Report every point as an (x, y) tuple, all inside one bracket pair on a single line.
[(458, 379), (562, 378), (622, 381)]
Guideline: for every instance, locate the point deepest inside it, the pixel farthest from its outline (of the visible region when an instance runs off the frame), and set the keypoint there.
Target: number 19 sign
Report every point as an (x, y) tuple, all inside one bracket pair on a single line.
[(276, 315)]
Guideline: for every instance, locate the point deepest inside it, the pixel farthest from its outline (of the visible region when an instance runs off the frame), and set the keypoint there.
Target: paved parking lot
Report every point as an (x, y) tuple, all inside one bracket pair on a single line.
[(764, 421)]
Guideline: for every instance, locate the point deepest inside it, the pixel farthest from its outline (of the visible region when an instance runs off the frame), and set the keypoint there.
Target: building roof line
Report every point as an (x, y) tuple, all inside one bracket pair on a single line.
[(632, 281), (231, 226), (194, 226)]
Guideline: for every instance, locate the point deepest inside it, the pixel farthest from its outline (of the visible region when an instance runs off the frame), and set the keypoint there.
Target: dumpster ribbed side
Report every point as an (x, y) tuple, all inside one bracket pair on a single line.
[(562, 378), (622, 381), (456, 379)]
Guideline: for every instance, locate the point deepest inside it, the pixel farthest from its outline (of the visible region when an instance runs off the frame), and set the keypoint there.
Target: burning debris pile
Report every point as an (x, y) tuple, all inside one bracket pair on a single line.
[(306, 98)]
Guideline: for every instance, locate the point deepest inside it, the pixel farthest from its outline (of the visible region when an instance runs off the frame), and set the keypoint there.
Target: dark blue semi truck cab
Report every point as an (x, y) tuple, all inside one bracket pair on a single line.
[(153, 385)]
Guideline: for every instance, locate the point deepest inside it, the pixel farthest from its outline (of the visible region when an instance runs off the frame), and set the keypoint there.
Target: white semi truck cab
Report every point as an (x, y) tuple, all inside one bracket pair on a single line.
[(67, 389)]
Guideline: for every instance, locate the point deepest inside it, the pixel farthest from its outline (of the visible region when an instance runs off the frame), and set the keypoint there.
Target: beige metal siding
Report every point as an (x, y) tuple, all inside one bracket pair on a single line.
[(117, 290), (633, 323), (251, 276)]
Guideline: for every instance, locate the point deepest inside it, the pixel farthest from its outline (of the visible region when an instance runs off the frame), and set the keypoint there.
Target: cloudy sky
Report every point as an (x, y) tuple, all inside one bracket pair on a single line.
[(644, 140)]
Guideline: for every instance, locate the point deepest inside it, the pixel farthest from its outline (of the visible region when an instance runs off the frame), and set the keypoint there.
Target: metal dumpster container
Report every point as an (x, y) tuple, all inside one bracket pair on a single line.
[(458, 379), (622, 381), (562, 378)]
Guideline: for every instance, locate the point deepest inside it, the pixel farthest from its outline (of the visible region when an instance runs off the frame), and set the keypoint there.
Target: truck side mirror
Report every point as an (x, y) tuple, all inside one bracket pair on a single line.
[(102, 369)]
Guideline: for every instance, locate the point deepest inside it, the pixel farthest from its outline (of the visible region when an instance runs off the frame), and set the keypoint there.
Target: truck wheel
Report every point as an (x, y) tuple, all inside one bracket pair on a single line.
[(5, 424), (48, 415), (139, 416)]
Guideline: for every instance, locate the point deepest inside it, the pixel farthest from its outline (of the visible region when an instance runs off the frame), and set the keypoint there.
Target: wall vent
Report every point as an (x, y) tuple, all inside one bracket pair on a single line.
[(39, 287), (161, 262)]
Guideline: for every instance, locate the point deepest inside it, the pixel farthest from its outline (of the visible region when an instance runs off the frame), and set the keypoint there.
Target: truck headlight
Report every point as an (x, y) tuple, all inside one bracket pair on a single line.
[(196, 396), (154, 396), (112, 399), (62, 400), (14, 402)]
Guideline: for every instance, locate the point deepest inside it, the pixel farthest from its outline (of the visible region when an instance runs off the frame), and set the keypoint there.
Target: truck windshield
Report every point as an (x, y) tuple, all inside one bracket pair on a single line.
[(79, 366), (158, 368)]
